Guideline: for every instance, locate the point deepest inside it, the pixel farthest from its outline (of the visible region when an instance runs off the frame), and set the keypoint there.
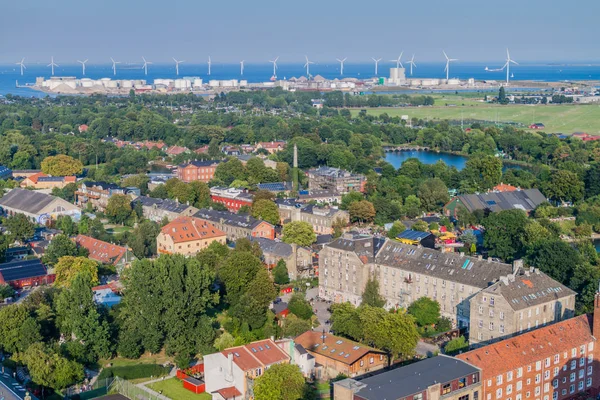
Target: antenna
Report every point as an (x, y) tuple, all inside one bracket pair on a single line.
[(342, 65), (82, 65), (22, 65), (412, 64), (448, 61), (114, 65), (52, 64), (242, 67), (177, 65), (376, 64), (209, 64), (274, 62), (399, 61), (145, 66), (307, 66), (507, 65)]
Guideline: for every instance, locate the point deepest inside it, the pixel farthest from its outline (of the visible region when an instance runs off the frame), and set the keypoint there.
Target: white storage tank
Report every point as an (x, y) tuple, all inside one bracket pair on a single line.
[(243, 82), (126, 84), (213, 83), (112, 84), (197, 82), (87, 82), (453, 81)]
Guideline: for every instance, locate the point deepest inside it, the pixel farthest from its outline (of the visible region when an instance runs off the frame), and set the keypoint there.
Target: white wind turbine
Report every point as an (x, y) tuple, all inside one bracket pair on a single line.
[(177, 65), (412, 64), (342, 65), (114, 65), (274, 62), (307, 66), (242, 68), (209, 64), (52, 64), (82, 65), (376, 64), (448, 61), (145, 66), (22, 65), (507, 65), (398, 61)]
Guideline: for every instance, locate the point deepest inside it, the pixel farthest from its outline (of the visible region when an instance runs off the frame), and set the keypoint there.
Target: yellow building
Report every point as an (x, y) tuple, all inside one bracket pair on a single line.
[(187, 236)]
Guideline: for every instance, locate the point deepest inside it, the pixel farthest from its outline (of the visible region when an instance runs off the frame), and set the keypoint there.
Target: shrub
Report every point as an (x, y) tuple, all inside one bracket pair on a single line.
[(136, 371)]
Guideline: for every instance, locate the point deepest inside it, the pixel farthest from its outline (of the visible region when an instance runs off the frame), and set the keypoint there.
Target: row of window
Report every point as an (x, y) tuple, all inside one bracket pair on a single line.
[(580, 387)]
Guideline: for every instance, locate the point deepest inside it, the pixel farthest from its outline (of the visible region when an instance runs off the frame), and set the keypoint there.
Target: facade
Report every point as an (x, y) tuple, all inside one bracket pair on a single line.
[(231, 373), (405, 273), (104, 252), (187, 236), (335, 179), (271, 147), (98, 194), (43, 181), (202, 171), (298, 356), (158, 209), (335, 355), (297, 259), (24, 273), (517, 303), (321, 218), (320, 196), (526, 200), (38, 207), (237, 226), (232, 198), (434, 378), (558, 362)]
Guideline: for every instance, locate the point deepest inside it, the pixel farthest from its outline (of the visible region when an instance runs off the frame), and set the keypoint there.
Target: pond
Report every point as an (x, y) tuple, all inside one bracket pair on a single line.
[(426, 157)]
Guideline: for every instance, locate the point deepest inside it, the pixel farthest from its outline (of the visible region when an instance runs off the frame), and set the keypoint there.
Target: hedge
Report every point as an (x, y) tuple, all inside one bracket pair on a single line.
[(135, 371)]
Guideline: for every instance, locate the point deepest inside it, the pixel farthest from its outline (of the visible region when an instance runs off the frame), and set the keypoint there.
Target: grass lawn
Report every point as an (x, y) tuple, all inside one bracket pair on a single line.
[(159, 358), (173, 388), (563, 118), (119, 229)]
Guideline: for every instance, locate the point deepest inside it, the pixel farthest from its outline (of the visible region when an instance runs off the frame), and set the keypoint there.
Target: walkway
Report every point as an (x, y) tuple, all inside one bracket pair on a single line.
[(143, 386)]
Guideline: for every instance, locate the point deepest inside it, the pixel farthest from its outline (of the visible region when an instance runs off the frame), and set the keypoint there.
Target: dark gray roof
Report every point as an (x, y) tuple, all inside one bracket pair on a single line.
[(102, 185), (22, 269), (526, 200), (446, 266), (162, 204), (238, 220), (526, 289), (51, 178), (318, 193), (365, 246), (331, 172), (321, 211), (26, 200), (274, 186), (272, 247), (300, 349), (409, 234), (414, 378)]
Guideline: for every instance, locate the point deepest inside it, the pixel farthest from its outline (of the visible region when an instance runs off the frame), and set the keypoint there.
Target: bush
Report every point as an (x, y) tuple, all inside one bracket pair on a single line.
[(135, 371)]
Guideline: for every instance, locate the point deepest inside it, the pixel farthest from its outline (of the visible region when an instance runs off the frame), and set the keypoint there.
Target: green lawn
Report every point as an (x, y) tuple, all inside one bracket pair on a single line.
[(173, 389), (119, 229), (561, 118)]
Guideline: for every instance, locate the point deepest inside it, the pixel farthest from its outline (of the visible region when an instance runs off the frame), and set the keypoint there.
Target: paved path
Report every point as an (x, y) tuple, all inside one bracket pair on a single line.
[(426, 349), (143, 386), (320, 308)]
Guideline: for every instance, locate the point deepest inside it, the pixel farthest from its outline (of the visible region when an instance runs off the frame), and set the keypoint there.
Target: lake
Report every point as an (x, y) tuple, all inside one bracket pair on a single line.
[(426, 157)]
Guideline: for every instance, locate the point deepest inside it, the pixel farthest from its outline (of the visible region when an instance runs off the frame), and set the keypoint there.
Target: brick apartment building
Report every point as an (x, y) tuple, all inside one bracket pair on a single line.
[(197, 171), (232, 198), (558, 362)]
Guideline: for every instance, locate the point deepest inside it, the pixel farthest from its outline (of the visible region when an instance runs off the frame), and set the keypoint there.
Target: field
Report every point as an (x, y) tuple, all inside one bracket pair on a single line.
[(173, 389), (559, 118)]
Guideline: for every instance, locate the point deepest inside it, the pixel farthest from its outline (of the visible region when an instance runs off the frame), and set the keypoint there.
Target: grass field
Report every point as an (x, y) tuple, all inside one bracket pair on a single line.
[(173, 389), (557, 118)]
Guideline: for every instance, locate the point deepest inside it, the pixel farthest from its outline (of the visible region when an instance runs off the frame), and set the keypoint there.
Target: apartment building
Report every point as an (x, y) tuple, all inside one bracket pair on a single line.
[(197, 171), (237, 226), (335, 179), (558, 362), (232, 198), (187, 236), (298, 259), (521, 301), (98, 194), (158, 209), (322, 218)]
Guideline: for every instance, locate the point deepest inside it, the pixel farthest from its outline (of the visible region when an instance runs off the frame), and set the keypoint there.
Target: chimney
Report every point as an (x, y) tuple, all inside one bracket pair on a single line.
[(517, 265), (230, 363)]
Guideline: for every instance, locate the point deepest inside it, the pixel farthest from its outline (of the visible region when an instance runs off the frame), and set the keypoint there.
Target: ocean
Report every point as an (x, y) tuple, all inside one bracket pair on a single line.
[(255, 72)]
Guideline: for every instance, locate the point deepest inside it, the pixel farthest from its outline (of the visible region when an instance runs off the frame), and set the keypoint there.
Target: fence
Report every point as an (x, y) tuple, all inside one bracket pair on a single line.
[(132, 391), (85, 392)]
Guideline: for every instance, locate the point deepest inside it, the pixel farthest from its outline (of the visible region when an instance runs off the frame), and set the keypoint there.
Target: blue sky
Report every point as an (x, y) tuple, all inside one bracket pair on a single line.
[(257, 30)]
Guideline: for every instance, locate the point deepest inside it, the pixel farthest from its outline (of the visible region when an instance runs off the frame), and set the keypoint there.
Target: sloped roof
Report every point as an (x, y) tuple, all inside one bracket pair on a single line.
[(28, 201), (22, 269), (334, 347), (272, 247), (239, 220), (163, 204), (364, 246), (526, 200), (104, 252), (188, 229), (197, 163), (257, 354)]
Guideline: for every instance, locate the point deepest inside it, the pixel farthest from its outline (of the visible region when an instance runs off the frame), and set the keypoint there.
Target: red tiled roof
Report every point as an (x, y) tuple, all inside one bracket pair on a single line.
[(271, 145), (187, 229), (335, 347), (255, 355), (104, 252), (515, 352), (229, 392), (34, 178), (176, 150), (503, 187), (242, 358), (83, 128)]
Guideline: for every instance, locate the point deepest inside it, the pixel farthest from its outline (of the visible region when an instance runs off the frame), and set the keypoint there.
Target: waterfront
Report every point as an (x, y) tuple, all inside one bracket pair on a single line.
[(426, 157)]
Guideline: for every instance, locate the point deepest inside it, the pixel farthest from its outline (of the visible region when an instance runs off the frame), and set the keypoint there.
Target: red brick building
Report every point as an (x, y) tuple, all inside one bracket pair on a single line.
[(197, 171), (24, 273), (231, 198), (558, 362)]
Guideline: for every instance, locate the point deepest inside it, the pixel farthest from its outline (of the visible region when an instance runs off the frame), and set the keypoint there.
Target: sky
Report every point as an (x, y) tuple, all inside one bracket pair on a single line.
[(259, 30)]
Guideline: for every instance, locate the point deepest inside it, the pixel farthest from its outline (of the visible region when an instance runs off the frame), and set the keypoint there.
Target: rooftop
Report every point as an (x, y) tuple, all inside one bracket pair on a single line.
[(239, 220), (334, 347), (163, 204), (364, 246), (331, 172), (187, 229), (197, 163), (273, 247), (526, 200), (409, 234), (22, 269), (29, 201), (104, 252), (257, 354)]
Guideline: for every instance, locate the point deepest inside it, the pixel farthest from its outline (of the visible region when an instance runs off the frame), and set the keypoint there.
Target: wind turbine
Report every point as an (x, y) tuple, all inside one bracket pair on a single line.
[(114, 67), (145, 66), (177, 66), (376, 64), (209, 63), (307, 66), (22, 65), (448, 61), (342, 65), (52, 64), (412, 64), (507, 65), (274, 62), (399, 61), (242, 68), (83, 65)]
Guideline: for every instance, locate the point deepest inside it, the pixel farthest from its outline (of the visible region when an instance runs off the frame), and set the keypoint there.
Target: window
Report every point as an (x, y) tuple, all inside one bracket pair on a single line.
[(509, 376), (418, 396), (538, 390), (555, 383), (547, 363), (580, 385), (489, 382), (501, 328), (573, 364), (556, 358), (259, 372), (499, 393), (519, 372), (546, 387), (462, 382), (509, 389), (564, 392), (555, 395), (501, 314), (555, 371), (480, 310), (519, 385), (589, 369), (538, 365), (499, 380), (572, 377), (491, 299), (447, 388), (588, 382), (572, 389), (491, 326), (581, 373), (371, 360), (538, 378), (582, 361), (465, 397), (546, 374), (362, 362)]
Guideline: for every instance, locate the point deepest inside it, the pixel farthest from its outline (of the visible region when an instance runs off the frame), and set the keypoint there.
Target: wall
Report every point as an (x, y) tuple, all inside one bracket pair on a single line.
[(216, 366), (165, 244)]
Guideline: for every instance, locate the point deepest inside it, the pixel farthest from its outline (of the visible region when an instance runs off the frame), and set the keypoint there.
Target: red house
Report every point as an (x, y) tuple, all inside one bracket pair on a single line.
[(193, 378), (83, 128), (231, 198), (23, 273)]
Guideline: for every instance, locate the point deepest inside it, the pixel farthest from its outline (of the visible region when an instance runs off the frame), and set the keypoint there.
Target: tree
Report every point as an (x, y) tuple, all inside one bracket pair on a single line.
[(225, 341), (504, 232), (20, 227), (61, 246), (280, 273), (484, 170), (118, 208), (61, 165), (350, 198), (68, 267), (300, 233), (236, 272), (362, 211), (345, 321), (564, 186), (425, 311), (214, 151), (554, 257), (412, 206), (371, 296), (433, 194), (266, 210), (300, 307), (420, 226), (294, 326), (50, 369), (396, 229), (12, 317), (280, 382), (456, 345), (393, 332), (254, 303), (143, 239), (502, 99), (230, 170), (338, 227), (6, 292)]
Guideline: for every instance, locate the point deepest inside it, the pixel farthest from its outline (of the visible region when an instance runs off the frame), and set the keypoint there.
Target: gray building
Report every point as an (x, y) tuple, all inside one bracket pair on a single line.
[(523, 300), (335, 179), (237, 226), (322, 218), (526, 200), (158, 209), (297, 259)]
